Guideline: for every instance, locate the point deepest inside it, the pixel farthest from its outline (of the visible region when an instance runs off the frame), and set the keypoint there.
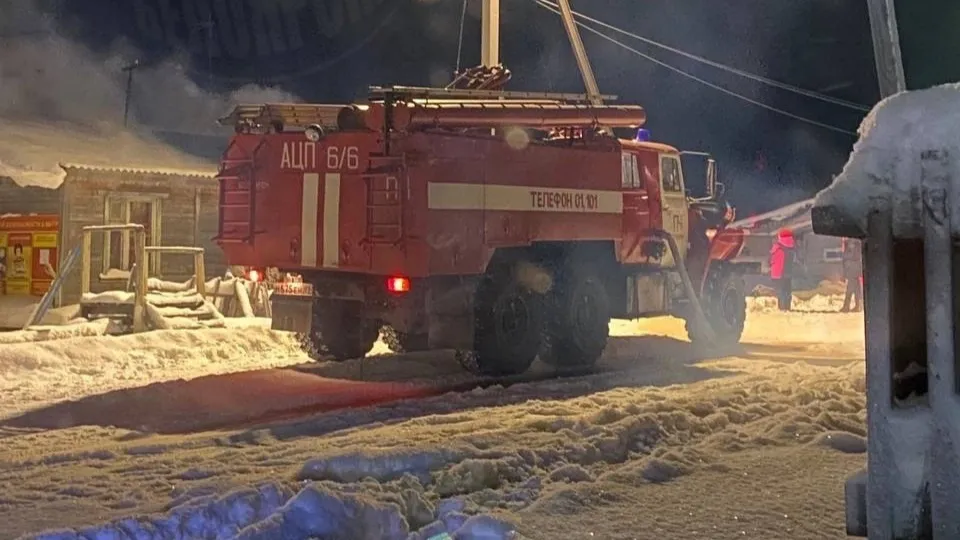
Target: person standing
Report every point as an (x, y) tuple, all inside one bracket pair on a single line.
[(782, 262), (853, 274)]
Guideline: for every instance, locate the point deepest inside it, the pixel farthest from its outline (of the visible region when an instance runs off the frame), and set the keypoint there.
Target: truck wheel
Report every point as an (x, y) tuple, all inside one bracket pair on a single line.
[(508, 323), (404, 342), (579, 323), (340, 334), (725, 306)]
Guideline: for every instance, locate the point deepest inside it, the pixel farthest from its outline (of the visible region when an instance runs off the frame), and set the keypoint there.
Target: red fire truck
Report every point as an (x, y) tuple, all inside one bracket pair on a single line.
[(502, 225)]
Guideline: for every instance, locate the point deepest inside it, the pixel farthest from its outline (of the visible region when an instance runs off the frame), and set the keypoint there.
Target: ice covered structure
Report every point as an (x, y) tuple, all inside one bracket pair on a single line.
[(900, 190), (904, 137)]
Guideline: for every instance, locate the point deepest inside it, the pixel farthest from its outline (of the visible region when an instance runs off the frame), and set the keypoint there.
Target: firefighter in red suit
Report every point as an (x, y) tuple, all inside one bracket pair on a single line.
[(782, 262)]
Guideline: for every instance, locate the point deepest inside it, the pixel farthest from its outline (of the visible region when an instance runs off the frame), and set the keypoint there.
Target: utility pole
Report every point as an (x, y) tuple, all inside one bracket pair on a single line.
[(886, 47), (207, 27), (129, 69), (580, 52), (490, 37)]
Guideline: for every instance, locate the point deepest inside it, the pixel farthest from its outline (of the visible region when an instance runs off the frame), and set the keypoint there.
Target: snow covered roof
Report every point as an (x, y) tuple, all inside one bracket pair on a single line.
[(778, 216), (31, 153), (905, 138)]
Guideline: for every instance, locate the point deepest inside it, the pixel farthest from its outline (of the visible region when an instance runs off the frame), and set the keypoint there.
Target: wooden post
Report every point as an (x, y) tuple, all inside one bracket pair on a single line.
[(199, 274), (140, 296), (86, 243), (886, 47)]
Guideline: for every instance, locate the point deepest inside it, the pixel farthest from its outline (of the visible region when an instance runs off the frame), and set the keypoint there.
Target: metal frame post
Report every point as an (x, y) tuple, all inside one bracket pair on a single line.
[(899, 436), (940, 202)]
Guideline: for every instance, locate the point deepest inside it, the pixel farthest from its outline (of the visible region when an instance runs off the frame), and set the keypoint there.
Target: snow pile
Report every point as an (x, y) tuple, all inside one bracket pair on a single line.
[(272, 511), (34, 374), (817, 303), (901, 136), (75, 329), (178, 306), (16, 310)]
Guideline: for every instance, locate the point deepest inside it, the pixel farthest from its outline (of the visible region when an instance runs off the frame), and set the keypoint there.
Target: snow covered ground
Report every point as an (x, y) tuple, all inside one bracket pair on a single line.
[(662, 442), (33, 374)]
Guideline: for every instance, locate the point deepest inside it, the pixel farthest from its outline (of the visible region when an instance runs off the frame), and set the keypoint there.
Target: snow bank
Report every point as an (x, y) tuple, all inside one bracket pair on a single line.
[(79, 328), (884, 170), (271, 511), (817, 303), (34, 374), (16, 310)]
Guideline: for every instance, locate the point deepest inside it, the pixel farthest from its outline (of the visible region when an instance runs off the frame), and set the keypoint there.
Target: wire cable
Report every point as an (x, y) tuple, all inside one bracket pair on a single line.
[(718, 65), (543, 3), (463, 18)]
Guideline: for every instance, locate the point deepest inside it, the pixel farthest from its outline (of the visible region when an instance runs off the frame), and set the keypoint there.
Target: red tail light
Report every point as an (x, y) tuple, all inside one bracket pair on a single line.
[(398, 284)]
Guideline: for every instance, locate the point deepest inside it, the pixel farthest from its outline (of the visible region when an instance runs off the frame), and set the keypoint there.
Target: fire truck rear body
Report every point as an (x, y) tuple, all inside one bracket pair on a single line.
[(414, 196)]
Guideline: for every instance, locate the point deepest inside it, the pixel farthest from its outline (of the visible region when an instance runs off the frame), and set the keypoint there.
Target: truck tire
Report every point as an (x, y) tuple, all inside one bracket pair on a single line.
[(724, 303), (576, 331), (508, 327), (340, 334), (404, 342)]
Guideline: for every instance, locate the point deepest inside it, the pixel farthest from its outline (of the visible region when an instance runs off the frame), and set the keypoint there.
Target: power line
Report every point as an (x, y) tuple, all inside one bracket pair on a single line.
[(679, 71), (718, 65)]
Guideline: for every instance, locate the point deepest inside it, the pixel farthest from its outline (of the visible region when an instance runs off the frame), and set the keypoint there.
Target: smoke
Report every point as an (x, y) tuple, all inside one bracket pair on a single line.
[(46, 75)]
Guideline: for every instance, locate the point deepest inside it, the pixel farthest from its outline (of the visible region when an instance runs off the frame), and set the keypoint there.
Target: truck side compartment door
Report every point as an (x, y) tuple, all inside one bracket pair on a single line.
[(674, 204)]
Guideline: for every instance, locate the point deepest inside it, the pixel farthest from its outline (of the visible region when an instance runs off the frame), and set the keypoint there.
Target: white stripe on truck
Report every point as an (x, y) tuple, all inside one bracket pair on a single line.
[(453, 196), (308, 219), (331, 221)]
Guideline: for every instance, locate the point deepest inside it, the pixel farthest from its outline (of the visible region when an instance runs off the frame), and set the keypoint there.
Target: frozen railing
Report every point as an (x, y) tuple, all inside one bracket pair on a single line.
[(900, 192), (199, 269)]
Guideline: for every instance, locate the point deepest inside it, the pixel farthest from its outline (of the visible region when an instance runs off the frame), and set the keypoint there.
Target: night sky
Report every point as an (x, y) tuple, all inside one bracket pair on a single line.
[(331, 50)]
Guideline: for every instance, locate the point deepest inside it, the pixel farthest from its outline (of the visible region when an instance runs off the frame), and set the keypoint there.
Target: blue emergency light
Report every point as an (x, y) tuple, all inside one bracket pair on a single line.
[(643, 135)]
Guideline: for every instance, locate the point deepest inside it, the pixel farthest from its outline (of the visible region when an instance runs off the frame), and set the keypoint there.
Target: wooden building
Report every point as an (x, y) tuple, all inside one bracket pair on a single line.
[(96, 177), (820, 256)]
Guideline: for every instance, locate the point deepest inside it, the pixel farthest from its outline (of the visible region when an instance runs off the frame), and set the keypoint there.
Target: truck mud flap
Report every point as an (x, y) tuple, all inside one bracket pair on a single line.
[(450, 314), (293, 313)]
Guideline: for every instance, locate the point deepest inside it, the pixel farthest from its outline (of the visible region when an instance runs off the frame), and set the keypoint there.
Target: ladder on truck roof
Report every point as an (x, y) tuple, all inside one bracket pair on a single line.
[(379, 93), (325, 114)]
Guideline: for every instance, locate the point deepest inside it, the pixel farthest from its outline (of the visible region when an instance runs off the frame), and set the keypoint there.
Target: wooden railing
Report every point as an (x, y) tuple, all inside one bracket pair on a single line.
[(199, 270)]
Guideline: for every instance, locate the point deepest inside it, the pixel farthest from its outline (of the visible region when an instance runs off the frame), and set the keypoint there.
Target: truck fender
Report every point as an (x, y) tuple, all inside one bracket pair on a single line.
[(725, 246)]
